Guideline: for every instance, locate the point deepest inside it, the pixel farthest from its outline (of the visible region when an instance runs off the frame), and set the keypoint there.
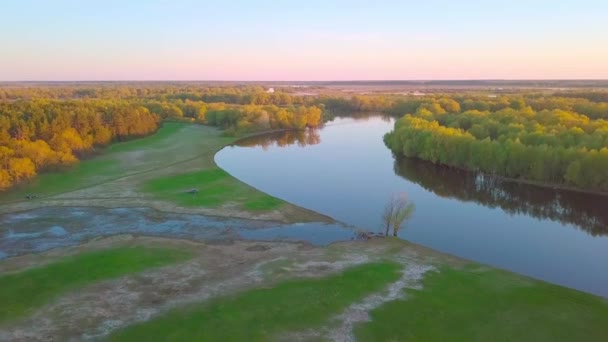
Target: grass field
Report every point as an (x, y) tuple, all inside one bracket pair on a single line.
[(99, 169), (79, 175), (215, 187), (156, 140), (261, 314), (488, 305), (454, 304), (160, 167), (24, 291)]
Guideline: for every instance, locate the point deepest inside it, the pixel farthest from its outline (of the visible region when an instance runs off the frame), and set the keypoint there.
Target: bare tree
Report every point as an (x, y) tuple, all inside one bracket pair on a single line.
[(387, 215), (396, 211)]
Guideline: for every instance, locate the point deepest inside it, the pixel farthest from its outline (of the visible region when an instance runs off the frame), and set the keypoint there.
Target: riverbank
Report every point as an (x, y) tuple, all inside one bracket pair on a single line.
[(508, 225), (218, 280), (158, 172), (223, 285)]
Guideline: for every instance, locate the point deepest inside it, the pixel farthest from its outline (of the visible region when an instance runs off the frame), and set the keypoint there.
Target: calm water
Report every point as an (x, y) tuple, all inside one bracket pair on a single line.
[(345, 171)]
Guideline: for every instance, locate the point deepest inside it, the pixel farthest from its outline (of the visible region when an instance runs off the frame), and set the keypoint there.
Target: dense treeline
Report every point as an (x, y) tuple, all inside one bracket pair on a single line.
[(523, 138), (595, 96), (591, 103), (239, 119), (556, 138), (49, 128), (40, 135), (161, 92)]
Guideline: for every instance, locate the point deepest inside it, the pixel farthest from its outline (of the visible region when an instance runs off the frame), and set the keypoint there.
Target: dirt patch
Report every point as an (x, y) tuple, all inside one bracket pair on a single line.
[(216, 270), (257, 248), (98, 309), (359, 312)]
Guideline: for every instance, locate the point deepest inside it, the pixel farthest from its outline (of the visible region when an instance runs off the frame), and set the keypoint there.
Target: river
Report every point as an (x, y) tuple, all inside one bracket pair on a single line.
[(344, 170)]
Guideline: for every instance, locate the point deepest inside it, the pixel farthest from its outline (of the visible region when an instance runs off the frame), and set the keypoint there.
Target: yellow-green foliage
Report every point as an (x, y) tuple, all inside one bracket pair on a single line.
[(552, 146)]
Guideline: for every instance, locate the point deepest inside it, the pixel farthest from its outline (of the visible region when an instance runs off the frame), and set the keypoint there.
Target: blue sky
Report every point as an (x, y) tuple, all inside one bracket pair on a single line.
[(302, 40)]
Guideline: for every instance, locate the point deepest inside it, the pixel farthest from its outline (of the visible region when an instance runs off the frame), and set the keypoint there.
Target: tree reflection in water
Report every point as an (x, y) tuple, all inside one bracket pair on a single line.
[(586, 211), (302, 138), (589, 212)]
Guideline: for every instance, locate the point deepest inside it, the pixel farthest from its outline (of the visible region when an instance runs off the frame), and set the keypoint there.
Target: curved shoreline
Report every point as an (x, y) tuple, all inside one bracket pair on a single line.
[(290, 213), (261, 133), (552, 186)]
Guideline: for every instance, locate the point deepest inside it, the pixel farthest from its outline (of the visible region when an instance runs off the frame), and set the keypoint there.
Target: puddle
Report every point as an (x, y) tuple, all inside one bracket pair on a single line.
[(319, 234), (46, 228)]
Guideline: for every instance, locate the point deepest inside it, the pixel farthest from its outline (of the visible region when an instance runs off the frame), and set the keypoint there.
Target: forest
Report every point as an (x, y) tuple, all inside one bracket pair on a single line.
[(42, 135), (45, 129), (560, 141), (558, 138)]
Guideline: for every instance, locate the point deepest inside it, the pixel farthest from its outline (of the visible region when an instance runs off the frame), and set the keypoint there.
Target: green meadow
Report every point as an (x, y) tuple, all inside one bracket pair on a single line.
[(214, 187), (263, 314), (481, 304), (22, 292), (177, 158)]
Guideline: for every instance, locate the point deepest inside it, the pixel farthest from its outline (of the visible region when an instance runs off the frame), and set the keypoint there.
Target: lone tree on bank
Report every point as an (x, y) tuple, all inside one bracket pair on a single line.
[(396, 211)]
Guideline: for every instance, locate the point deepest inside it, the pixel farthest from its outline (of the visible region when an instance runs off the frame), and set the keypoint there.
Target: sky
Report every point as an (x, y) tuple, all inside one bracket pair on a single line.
[(302, 40)]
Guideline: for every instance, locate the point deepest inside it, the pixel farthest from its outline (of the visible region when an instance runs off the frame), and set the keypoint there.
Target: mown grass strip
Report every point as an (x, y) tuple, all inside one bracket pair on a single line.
[(488, 305), (260, 314), (22, 292)]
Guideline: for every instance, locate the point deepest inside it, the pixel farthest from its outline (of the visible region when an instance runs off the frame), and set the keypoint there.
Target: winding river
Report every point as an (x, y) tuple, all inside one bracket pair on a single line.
[(345, 171)]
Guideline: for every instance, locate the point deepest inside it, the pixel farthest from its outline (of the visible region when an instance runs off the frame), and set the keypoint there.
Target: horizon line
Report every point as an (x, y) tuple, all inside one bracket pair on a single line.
[(316, 81)]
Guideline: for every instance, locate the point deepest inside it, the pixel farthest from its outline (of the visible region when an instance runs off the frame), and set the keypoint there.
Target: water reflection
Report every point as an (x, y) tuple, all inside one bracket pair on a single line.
[(519, 227), (281, 139), (586, 211)]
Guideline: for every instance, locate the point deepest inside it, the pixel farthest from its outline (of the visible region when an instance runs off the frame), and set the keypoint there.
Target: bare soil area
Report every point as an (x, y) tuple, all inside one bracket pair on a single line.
[(99, 309)]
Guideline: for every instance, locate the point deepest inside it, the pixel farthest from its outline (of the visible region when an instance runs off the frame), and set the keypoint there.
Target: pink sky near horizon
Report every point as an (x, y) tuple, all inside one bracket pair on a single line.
[(324, 60), (311, 70), (188, 40)]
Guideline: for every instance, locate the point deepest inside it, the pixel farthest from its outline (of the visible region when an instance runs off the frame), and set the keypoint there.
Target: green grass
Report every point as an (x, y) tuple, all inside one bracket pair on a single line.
[(155, 158), (216, 187), (263, 202), (73, 178), (167, 130), (22, 292), (261, 314), (92, 171), (489, 305)]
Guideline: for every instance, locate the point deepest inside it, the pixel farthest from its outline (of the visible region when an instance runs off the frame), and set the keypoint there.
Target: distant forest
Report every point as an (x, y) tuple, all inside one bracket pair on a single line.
[(560, 138)]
